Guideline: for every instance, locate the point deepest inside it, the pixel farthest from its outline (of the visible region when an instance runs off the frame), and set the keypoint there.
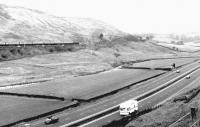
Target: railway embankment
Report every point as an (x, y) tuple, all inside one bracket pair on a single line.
[(17, 51)]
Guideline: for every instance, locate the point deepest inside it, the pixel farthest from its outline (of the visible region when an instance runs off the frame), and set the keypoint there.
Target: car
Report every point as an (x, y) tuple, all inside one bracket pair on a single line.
[(177, 71), (188, 77), (51, 120)]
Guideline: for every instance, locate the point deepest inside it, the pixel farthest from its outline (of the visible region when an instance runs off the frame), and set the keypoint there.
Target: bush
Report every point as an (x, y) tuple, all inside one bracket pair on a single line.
[(59, 48), (20, 52), (4, 56), (116, 54), (51, 50), (13, 51)]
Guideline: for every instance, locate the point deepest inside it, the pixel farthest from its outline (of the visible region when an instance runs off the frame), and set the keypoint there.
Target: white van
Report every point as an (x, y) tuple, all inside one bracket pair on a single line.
[(128, 107)]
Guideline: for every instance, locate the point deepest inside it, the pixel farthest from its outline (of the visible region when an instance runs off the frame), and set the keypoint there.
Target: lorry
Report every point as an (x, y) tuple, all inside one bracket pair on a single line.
[(128, 107)]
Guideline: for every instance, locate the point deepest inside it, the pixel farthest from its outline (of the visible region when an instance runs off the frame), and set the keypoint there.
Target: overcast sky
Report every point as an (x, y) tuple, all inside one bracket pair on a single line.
[(133, 16)]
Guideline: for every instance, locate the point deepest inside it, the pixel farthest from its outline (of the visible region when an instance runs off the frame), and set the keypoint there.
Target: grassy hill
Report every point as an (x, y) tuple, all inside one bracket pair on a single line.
[(24, 25)]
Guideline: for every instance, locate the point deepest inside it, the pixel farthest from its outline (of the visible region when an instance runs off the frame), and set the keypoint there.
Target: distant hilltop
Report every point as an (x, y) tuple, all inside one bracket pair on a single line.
[(18, 24)]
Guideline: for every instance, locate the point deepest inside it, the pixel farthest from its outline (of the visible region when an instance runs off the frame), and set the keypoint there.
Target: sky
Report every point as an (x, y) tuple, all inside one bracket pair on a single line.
[(133, 16)]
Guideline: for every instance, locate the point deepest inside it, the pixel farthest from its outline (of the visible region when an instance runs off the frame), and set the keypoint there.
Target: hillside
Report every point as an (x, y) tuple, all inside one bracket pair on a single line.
[(102, 53), (32, 26)]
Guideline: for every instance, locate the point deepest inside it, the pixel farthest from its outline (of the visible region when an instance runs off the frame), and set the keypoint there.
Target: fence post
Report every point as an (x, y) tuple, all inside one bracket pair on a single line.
[(193, 113)]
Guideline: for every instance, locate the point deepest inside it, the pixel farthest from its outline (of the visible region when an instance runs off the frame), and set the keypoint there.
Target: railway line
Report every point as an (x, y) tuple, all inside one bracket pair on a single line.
[(108, 110), (38, 44)]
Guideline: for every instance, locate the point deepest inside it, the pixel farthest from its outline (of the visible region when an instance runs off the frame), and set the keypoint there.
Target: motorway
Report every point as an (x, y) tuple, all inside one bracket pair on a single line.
[(74, 116), (148, 102)]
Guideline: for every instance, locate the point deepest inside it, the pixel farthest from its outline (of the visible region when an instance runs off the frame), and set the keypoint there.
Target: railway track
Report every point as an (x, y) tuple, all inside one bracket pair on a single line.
[(39, 44), (94, 117)]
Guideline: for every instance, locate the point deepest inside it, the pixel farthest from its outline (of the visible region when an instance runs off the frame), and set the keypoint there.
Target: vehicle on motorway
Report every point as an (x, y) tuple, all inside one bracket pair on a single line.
[(188, 77), (51, 120), (128, 107), (177, 71)]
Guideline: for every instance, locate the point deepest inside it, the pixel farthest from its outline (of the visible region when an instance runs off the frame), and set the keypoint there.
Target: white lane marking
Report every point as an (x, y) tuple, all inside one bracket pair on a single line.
[(134, 98), (68, 124)]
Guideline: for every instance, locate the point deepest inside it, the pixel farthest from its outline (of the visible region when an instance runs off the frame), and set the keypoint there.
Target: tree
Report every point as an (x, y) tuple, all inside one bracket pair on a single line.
[(101, 36)]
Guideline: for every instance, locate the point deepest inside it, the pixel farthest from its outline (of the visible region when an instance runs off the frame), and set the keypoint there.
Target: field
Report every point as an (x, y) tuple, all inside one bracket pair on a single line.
[(14, 106), (62, 71), (18, 108), (82, 87), (74, 75), (164, 63), (72, 64), (87, 86), (185, 47)]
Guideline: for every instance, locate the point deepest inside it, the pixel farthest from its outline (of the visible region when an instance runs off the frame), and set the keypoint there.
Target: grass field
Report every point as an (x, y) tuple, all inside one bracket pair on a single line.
[(87, 86), (18, 108), (79, 63), (186, 47), (165, 63)]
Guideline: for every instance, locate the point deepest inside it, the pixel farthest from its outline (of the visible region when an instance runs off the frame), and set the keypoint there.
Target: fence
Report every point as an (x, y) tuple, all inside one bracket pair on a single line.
[(196, 124), (187, 120)]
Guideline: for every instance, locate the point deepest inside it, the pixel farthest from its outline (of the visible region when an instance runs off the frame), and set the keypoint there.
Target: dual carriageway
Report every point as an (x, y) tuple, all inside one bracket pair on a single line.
[(149, 94)]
